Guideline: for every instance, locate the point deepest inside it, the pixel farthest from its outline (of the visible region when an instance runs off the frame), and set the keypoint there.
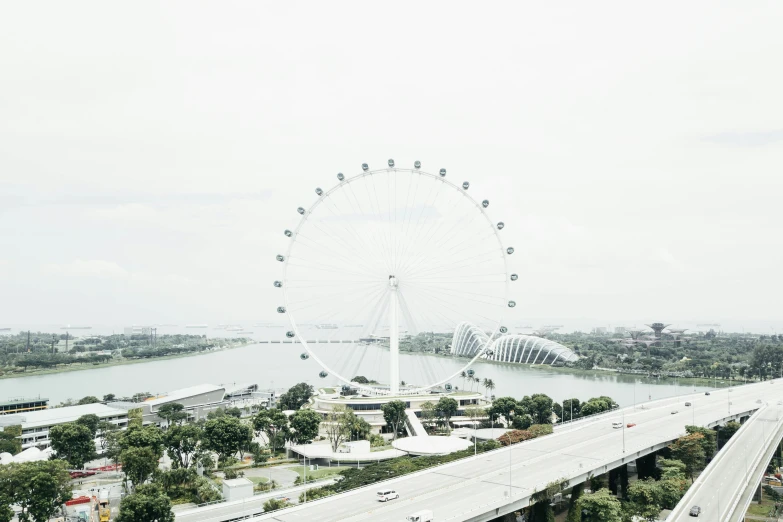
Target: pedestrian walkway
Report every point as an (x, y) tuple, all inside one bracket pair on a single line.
[(413, 426)]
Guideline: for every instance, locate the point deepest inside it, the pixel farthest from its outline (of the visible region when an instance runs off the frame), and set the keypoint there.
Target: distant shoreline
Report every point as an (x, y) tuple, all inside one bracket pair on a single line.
[(114, 362)]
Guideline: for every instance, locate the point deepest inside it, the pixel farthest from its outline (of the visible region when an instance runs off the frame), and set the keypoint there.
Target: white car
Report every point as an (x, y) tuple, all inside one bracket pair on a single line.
[(385, 495)]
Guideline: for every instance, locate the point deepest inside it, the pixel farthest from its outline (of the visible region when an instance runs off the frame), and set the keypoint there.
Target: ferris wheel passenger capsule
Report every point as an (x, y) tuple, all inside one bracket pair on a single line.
[(514, 277), (471, 373), (417, 164), (365, 167), (442, 173), (319, 191), (510, 250), (322, 375), (278, 284), (391, 163), (340, 176), (290, 334), (304, 356), (288, 233), (503, 329), (447, 387), (501, 225), (490, 353), (485, 203), (465, 185), (280, 258), (511, 304), (301, 210), (281, 309)]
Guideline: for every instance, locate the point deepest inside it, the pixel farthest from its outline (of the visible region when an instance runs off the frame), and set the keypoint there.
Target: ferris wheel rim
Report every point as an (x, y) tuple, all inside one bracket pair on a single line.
[(345, 182)]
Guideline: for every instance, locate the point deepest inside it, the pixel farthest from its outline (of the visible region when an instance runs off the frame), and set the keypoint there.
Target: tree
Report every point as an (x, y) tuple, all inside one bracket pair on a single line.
[(646, 499), (445, 409), (91, 422), (538, 406), (172, 413), (226, 435), (73, 443), (337, 426), (270, 422), (109, 397), (428, 414), (296, 396), (521, 422), (147, 504), (113, 445), (138, 464), (182, 444), (600, 506), (475, 413), (147, 437), (305, 424), (394, 415), (90, 399), (359, 428), (234, 412), (709, 443), (9, 439), (689, 450), (505, 407), (726, 432), (597, 405), (361, 379), (38, 488), (104, 428), (571, 409)]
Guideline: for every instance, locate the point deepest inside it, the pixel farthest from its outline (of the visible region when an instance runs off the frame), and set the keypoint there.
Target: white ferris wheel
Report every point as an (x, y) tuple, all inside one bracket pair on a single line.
[(393, 260)]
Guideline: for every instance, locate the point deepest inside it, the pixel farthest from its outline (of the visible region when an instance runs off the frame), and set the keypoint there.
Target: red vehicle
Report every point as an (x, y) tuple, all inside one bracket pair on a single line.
[(630, 425), (78, 500)]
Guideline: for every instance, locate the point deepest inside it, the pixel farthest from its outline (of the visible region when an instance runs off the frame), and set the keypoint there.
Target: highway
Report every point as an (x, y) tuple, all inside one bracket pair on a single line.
[(725, 487), (494, 483)]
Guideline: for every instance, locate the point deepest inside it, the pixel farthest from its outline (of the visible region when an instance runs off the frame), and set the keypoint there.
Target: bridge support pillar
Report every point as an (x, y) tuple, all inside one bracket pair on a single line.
[(613, 476), (623, 472), (645, 466)]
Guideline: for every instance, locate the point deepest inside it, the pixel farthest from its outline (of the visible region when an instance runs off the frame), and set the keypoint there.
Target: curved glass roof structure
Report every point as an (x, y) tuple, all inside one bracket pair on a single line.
[(516, 348)]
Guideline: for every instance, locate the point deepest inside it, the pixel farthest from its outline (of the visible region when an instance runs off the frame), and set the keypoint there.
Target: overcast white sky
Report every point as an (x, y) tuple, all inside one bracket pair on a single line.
[(151, 154)]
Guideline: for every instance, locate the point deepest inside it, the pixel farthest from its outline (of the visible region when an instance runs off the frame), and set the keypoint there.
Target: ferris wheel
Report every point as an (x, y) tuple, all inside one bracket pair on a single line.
[(391, 261)]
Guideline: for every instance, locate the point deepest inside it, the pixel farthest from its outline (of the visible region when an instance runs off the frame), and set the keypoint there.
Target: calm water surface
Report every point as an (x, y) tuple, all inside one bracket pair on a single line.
[(279, 366)]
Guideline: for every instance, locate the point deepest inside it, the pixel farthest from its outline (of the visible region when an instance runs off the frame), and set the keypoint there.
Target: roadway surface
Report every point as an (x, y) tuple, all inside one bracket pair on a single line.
[(724, 489), (494, 483)]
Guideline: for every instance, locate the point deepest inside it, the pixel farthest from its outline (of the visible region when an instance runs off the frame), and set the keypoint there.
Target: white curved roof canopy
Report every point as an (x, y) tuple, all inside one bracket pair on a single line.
[(517, 348)]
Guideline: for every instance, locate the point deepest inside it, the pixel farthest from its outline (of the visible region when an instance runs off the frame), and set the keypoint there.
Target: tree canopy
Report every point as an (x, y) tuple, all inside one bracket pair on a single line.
[(305, 425), (73, 443), (147, 504), (600, 506), (394, 415), (226, 435), (172, 413), (38, 488), (296, 396)]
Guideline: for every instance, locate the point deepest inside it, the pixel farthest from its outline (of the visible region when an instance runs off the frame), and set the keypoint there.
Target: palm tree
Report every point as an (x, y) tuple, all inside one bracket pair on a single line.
[(477, 381), (484, 384), (489, 384), (464, 376)]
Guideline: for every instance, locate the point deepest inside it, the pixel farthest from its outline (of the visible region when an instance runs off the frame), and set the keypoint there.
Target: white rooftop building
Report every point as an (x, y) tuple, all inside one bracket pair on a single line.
[(36, 424)]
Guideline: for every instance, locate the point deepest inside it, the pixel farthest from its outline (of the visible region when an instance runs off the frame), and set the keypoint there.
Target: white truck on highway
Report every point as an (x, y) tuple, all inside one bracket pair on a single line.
[(424, 515)]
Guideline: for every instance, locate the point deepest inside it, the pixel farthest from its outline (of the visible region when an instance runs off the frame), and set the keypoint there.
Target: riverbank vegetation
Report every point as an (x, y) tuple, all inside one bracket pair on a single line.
[(39, 353)]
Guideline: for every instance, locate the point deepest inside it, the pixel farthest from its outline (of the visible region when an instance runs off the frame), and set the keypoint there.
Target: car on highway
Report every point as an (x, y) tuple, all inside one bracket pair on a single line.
[(675, 411), (695, 511), (758, 401), (630, 425), (385, 495), (687, 403), (780, 403), (283, 498), (617, 425), (706, 393)]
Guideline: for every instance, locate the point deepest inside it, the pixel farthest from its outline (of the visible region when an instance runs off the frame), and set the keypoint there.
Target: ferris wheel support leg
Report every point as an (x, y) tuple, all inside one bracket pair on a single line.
[(394, 340)]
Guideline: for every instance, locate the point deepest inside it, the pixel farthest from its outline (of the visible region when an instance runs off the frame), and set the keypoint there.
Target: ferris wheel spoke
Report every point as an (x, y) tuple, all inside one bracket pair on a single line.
[(298, 306), (314, 246), (301, 263), (350, 229), (372, 237), (446, 303), (464, 264), (417, 229), (499, 299)]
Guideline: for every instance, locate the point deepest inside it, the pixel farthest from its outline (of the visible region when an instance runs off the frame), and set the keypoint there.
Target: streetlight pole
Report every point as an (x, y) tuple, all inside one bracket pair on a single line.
[(511, 413), (623, 431)]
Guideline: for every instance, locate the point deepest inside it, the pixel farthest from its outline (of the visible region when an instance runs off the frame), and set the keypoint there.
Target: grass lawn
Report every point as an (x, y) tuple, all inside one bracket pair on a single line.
[(382, 448), (761, 510), (258, 480), (319, 473)]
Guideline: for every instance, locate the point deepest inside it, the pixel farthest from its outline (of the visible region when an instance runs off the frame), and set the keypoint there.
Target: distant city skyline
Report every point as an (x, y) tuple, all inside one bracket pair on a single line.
[(151, 157)]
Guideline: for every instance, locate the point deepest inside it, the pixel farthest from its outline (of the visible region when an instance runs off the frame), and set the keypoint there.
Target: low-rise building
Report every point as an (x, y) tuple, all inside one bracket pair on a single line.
[(23, 405), (36, 424)]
